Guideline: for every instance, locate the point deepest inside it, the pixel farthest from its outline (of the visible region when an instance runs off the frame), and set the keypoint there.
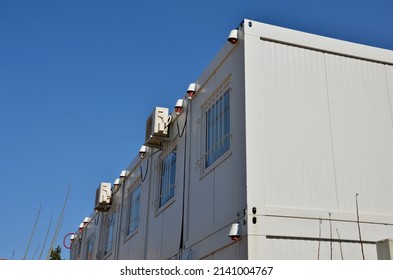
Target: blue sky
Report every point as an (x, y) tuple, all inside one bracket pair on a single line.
[(78, 80)]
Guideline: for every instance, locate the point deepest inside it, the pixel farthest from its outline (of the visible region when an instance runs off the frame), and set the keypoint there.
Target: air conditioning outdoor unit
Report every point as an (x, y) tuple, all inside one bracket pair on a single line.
[(103, 197), (157, 127)]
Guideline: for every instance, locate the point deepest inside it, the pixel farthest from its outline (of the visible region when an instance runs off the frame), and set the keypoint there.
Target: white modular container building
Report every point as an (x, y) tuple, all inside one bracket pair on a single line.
[(285, 141)]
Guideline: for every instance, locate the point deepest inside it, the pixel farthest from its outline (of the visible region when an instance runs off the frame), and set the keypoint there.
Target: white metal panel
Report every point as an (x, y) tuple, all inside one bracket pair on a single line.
[(316, 214), (154, 238), (171, 227), (201, 209), (217, 196), (290, 227), (389, 78), (132, 248), (230, 180), (315, 120), (284, 249), (278, 249), (236, 251), (219, 246), (298, 38), (362, 134), (229, 192), (149, 228), (289, 149)]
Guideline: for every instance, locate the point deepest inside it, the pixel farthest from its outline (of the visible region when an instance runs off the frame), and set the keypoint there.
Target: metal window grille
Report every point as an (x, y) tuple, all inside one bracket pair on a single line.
[(168, 176), (217, 129)]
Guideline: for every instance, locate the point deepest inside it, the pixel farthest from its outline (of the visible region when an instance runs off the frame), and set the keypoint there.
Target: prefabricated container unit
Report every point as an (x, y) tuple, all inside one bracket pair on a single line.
[(286, 144)]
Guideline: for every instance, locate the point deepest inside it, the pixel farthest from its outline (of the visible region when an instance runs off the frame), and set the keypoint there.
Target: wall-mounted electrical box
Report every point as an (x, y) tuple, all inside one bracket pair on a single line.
[(103, 197), (157, 127)]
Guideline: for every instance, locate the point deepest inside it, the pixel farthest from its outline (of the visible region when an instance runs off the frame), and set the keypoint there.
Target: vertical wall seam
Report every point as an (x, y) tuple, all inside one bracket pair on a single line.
[(388, 92), (331, 130)]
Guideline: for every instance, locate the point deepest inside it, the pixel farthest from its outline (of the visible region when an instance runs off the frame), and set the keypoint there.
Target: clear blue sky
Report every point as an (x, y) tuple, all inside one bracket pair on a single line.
[(78, 78)]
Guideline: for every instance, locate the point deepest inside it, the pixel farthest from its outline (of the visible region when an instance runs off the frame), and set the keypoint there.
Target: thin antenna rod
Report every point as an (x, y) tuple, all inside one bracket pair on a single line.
[(59, 223), (46, 237), (35, 252), (32, 232)]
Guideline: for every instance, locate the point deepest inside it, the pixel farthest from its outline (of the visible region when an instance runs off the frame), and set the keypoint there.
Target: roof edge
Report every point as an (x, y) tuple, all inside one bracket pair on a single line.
[(316, 42)]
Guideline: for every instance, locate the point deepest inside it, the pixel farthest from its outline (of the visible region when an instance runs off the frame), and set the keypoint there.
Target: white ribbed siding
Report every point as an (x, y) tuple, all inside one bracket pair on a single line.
[(217, 195), (389, 78), (308, 250), (362, 133), (319, 131), (292, 130)]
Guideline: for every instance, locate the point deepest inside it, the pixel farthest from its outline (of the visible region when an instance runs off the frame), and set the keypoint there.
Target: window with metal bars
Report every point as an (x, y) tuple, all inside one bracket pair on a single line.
[(217, 129), (133, 213), (90, 247), (168, 176), (111, 220)]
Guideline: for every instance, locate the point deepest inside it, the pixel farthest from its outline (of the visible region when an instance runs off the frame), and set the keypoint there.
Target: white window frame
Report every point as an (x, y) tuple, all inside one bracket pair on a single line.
[(110, 232), (90, 247), (133, 199), (167, 185), (215, 128)]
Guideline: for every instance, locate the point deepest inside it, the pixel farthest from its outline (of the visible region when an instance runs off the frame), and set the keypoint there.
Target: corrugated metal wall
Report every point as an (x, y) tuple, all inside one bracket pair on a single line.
[(319, 131), (362, 133)]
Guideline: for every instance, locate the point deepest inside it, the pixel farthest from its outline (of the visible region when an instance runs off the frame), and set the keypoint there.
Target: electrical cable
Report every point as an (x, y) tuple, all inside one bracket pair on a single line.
[(181, 241), (143, 177)]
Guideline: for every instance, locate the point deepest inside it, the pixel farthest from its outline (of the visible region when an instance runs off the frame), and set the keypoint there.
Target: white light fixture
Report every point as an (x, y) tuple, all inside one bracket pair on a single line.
[(142, 151), (116, 183), (81, 225), (123, 174), (72, 238), (86, 221), (234, 232), (191, 90), (179, 106), (233, 36)]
